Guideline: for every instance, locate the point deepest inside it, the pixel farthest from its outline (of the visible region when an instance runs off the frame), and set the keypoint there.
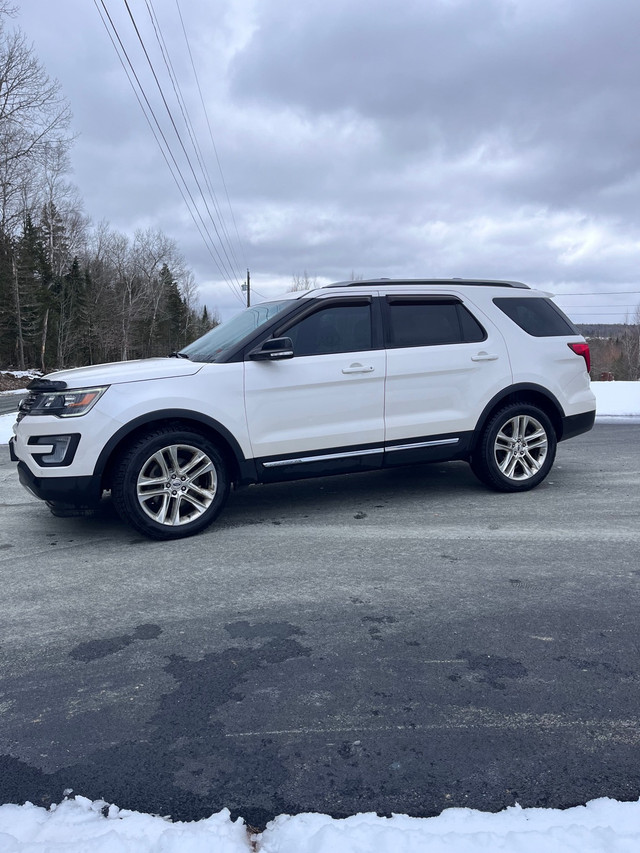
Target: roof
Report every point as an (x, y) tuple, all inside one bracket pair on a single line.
[(435, 282)]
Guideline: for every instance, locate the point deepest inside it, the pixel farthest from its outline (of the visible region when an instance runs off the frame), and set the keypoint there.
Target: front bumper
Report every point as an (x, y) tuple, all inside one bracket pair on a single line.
[(74, 491)]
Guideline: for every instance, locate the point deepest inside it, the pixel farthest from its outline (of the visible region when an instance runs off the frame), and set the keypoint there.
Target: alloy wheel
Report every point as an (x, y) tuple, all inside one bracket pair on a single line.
[(177, 484), (521, 447)]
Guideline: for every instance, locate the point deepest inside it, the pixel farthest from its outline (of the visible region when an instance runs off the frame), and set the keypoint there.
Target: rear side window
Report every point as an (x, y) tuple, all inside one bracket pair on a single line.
[(537, 316), (415, 322)]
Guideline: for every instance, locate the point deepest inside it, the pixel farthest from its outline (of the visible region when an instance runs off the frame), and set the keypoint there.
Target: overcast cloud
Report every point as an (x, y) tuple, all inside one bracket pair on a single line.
[(493, 138)]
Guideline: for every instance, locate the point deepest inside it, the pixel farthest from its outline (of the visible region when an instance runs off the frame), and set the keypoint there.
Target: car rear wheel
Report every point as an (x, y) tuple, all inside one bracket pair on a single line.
[(516, 449), (170, 483)]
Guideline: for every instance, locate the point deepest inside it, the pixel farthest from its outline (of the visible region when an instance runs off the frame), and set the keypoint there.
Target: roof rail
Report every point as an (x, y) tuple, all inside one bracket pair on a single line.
[(435, 282)]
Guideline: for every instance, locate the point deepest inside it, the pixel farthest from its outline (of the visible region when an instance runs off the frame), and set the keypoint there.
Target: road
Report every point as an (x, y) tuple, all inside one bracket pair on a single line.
[(9, 402), (399, 641)]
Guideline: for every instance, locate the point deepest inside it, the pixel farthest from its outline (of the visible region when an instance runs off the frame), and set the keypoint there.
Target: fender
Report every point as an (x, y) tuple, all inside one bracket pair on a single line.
[(246, 467), (523, 388)]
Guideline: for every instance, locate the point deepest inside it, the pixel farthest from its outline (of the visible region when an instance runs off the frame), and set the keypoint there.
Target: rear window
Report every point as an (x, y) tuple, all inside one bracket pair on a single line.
[(414, 322), (537, 316)]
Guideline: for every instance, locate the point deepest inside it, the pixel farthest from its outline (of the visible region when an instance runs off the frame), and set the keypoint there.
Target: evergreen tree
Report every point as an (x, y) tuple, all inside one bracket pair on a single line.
[(174, 315), (8, 328), (31, 281)]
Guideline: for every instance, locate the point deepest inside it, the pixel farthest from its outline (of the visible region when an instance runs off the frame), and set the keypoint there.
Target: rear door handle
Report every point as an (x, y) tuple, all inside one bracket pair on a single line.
[(485, 356), (358, 368)]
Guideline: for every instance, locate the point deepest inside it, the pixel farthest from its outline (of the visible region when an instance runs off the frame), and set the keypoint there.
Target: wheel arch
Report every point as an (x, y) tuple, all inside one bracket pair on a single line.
[(524, 393), (241, 470)]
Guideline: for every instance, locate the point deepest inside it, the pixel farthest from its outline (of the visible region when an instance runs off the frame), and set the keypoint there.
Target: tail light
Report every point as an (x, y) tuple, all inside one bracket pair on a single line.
[(583, 350)]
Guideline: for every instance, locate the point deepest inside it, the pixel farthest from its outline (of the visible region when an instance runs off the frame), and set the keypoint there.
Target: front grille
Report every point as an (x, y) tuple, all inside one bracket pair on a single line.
[(26, 404)]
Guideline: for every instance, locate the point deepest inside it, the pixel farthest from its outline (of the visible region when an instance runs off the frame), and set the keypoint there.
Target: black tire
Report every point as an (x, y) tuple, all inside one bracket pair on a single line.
[(516, 449), (170, 483)]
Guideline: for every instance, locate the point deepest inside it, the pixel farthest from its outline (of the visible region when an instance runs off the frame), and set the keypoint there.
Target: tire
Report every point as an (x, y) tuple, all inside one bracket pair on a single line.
[(516, 449), (170, 483)]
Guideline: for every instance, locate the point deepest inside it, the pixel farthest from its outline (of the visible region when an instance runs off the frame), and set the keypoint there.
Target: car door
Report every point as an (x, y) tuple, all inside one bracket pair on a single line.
[(322, 410), (444, 364)]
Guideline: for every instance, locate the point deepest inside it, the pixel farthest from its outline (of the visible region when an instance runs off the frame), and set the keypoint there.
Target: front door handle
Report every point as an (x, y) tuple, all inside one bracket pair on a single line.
[(484, 356), (358, 368)]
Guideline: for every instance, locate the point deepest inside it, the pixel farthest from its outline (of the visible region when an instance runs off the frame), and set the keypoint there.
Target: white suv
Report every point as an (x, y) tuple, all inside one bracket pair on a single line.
[(349, 377)]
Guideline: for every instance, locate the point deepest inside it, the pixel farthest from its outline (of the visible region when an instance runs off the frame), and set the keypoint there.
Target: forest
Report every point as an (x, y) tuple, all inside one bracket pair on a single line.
[(615, 349), (72, 292)]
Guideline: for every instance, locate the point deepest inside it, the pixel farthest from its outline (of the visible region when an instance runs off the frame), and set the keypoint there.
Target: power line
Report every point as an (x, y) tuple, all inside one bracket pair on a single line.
[(175, 168), (215, 149), (163, 143), (175, 128), (597, 293), (164, 51), (608, 305), (597, 313)]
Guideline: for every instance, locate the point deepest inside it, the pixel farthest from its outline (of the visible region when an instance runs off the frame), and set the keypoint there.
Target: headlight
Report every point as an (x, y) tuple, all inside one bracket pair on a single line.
[(66, 404)]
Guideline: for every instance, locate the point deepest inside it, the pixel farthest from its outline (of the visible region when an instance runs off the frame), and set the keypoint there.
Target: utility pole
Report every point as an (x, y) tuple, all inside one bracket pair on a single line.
[(247, 289)]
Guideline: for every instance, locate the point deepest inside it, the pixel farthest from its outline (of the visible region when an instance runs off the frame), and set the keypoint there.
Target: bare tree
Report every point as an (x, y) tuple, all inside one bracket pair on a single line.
[(33, 112), (33, 115), (629, 361), (304, 281), (152, 250)]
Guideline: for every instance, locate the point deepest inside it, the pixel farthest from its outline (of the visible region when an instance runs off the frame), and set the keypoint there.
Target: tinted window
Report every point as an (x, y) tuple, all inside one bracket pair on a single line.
[(537, 316), (421, 323), (336, 328)]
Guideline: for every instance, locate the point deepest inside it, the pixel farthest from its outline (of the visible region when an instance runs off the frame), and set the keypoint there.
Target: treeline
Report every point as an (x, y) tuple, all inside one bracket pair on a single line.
[(72, 299), (615, 356), (604, 330), (72, 293)]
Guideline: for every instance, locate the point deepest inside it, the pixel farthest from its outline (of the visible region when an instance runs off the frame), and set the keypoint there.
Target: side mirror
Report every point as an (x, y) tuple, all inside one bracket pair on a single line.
[(275, 349)]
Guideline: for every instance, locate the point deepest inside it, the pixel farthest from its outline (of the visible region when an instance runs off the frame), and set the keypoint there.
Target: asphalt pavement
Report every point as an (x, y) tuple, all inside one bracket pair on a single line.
[(399, 641), (9, 402)]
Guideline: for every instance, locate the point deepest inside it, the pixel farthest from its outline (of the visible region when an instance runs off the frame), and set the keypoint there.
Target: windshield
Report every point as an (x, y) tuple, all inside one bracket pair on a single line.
[(218, 341)]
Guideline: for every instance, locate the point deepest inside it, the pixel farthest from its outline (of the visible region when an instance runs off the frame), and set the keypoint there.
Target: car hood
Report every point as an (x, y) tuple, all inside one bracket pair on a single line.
[(126, 371)]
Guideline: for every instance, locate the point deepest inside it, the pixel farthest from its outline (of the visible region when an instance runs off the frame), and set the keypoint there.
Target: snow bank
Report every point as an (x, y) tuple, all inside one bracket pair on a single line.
[(602, 826), (6, 430), (80, 826), (617, 399)]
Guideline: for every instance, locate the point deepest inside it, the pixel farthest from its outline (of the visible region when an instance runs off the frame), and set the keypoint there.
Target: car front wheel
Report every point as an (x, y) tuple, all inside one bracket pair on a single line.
[(516, 449), (170, 483)]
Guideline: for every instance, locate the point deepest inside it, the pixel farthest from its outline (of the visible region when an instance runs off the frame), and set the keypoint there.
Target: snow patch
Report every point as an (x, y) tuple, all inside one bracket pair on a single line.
[(82, 826)]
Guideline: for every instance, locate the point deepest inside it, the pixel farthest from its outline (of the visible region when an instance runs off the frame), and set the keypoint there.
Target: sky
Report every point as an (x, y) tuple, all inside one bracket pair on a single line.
[(365, 138)]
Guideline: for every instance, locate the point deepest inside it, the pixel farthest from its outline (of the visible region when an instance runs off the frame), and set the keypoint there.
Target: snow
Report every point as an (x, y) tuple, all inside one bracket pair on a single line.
[(80, 826), (615, 401), (28, 374), (6, 426)]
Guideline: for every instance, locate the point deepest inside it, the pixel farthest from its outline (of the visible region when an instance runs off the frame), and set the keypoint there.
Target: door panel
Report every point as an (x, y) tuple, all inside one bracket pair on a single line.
[(330, 395), (441, 387), (315, 402)]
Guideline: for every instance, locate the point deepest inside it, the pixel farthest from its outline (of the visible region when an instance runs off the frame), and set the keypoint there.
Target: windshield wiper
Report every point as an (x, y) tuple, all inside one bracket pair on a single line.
[(175, 354)]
